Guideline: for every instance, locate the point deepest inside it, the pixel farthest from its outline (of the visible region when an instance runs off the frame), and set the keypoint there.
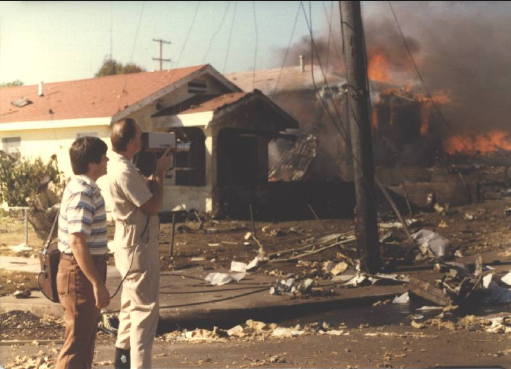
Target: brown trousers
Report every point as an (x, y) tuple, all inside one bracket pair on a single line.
[(80, 314)]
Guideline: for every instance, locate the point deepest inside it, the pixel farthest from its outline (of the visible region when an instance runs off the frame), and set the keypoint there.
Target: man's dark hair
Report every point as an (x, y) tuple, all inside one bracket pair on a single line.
[(122, 132), (84, 151)]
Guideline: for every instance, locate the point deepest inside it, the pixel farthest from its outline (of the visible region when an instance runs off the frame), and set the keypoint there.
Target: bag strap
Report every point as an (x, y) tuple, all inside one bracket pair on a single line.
[(48, 240)]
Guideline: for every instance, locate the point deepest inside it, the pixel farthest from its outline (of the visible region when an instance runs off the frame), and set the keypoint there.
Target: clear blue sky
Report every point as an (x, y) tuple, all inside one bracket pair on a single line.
[(57, 40)]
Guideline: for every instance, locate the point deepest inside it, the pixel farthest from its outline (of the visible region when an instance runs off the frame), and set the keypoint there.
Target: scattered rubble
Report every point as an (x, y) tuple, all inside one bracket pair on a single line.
[(432, 243), (40, 361), (30, 326), (290, 287), (22, 294), (253, 330)]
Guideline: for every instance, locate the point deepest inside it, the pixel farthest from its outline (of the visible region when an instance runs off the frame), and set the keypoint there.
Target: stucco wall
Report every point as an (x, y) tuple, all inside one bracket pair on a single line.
[(44, 143)]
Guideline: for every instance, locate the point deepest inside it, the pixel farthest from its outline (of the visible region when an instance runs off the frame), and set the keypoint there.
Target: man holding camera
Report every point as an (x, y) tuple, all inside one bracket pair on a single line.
[(136, 203), (83, 246)]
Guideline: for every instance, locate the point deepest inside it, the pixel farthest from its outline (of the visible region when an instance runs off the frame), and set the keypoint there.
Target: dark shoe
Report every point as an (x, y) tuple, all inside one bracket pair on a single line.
[(122, 359)]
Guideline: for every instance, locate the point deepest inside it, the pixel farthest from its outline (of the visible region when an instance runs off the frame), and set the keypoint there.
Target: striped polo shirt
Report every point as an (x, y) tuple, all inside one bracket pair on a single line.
[(83, 211)]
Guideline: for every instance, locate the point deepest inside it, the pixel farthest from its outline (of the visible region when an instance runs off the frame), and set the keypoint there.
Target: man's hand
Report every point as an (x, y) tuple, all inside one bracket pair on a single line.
[(101, 296), (164, 162)]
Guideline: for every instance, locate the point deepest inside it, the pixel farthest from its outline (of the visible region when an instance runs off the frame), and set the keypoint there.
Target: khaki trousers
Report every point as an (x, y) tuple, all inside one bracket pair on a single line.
[(139, 314), (80, 314)]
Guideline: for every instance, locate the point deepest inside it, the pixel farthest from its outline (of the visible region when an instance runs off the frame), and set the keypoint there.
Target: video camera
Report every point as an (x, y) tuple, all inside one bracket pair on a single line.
[(154, 145), (158, 142)]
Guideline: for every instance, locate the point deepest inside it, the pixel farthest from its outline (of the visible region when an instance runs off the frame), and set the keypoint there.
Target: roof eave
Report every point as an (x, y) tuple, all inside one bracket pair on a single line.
[(207, 69)]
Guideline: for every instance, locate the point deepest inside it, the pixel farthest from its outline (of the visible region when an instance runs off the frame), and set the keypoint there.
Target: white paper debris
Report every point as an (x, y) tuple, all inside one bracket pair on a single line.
[(403, 299), (21, 247), (487, 280), (239, 267), (219, 279), (507, 279), (429, 308)]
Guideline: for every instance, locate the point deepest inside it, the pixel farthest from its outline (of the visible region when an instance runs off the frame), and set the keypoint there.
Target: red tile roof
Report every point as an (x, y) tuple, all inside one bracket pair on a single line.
[(88, 98)]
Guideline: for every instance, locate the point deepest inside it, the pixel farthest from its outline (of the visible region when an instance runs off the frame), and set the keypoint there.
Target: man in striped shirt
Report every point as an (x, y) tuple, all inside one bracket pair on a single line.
[(83, 245)]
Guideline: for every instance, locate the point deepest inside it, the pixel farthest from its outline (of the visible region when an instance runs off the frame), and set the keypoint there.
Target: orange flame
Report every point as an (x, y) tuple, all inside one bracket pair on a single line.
[(484, 144), (379, 68)]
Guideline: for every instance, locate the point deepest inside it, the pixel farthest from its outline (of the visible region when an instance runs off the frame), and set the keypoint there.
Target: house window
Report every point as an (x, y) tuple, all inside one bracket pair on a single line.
[(12, 146), (86, 134), (191, 165)]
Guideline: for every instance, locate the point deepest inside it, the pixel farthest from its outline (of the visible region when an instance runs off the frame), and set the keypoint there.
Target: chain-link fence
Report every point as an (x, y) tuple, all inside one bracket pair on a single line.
[(25, 229)]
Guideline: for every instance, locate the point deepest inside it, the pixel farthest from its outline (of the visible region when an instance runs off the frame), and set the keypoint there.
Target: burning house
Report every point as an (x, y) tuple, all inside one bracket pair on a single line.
[(400, 119), (409, 136)]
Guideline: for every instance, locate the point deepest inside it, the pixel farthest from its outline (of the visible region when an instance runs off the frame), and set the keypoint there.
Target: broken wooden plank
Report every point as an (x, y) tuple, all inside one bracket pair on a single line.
[(396, 210), (339, 235), (297, 257), (428, 292)]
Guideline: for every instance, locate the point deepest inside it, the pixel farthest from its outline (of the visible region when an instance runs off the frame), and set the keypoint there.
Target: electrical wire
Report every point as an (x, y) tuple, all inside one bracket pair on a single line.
[(256, 44), (272, 97), (188, 35), (230, 35), (216, 32), (131, 57), (339, 129), (419, 74)]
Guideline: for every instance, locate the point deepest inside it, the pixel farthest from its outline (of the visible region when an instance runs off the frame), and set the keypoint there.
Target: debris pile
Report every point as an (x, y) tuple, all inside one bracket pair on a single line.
[(40, 361), (254, 330), (499, 324), (27, 325)]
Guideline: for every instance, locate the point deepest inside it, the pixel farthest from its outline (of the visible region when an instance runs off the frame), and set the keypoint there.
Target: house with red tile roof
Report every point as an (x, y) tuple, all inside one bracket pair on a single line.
[(228, 130)]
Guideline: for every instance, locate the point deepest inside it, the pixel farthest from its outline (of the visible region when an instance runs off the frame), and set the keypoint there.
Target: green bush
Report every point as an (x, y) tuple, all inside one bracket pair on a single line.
[(20, 178)]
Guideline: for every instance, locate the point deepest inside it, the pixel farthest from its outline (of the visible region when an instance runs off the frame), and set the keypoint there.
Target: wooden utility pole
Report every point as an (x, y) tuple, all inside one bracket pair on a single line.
[(360, 132), (161, 51)]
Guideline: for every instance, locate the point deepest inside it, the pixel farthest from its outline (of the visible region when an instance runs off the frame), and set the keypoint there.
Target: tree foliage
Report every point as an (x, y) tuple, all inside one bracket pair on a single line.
[(16, 82), (112, 67), (20, 178)]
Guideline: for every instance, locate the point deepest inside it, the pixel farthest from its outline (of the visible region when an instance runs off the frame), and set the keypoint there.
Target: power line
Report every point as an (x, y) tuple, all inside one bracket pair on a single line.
[(329, 21), (216, 32), (287, 51), (230, 35), (329, 31), (256, 44), (188, 35), (417, 68), (132, 53), (111, 30), (341, 131)]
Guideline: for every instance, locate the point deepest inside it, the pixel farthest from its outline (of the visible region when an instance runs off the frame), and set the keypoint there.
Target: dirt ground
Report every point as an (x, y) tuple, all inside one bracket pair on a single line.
[(390, 346), (219, 242), (472, 229)]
